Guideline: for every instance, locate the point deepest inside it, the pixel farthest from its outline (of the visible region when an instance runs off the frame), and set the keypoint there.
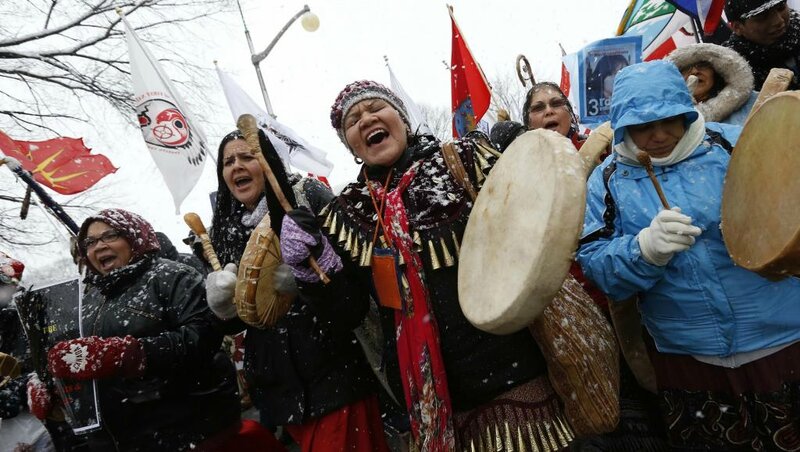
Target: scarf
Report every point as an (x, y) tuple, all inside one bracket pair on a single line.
[(421, 364), (251, 219), (686, 145), (764, 58)]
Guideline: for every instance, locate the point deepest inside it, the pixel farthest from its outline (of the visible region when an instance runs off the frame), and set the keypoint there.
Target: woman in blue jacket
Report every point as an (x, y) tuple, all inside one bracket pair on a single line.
[(724, 340)]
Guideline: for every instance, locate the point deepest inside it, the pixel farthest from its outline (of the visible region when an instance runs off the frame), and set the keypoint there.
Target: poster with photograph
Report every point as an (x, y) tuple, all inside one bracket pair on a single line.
[(598, 64), (51, 314)]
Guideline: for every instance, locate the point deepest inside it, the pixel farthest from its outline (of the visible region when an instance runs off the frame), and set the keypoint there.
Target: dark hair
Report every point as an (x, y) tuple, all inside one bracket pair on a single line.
[(228, 235), (719, 80), (607, 65), (526, 107)]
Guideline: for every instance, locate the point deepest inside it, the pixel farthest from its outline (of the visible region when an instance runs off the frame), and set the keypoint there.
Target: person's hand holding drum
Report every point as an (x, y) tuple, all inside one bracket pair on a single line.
[(301, 238), (220, 287)]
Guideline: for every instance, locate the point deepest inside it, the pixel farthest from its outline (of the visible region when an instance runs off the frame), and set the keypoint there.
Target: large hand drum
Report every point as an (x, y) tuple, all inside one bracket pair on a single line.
[(257, 302), (522, 232), (761, 196)]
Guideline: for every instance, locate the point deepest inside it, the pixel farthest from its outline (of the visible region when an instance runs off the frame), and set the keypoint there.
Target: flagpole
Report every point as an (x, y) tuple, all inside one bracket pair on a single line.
[(53, 206)]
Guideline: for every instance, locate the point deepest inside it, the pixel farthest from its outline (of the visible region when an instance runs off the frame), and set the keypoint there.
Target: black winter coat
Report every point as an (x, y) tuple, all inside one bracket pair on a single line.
[(479, 365), (309, 364), (188, 392), (12, 342)]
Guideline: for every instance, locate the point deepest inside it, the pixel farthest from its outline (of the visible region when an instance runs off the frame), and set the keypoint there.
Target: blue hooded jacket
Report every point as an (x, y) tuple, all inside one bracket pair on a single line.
[(700, 303)]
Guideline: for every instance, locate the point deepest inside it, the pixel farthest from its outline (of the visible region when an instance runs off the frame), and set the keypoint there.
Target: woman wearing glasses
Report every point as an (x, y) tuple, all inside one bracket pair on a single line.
[(149, 342)]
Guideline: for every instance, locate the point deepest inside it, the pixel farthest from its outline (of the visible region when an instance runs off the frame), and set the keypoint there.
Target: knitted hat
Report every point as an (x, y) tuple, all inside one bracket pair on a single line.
[(355, 93), (738, 10), (504, 132), (10, 269)]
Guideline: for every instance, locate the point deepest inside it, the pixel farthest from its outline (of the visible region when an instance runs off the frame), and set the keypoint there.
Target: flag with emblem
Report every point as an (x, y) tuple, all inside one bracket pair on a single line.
[(174, 139), (291, 147), (470, 91), (64, 165), (659, 23)]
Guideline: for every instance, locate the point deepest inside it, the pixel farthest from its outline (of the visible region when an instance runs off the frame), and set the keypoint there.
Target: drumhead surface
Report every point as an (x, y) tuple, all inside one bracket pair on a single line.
[(761, 195), (522, 233)]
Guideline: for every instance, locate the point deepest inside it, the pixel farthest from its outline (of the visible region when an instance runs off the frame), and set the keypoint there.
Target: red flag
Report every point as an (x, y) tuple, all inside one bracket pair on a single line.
[(62, 164), (565, 86), (471, 93)]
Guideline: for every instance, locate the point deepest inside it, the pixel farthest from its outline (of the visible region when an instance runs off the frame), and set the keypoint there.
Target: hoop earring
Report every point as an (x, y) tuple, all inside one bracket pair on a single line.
[(358, 160)]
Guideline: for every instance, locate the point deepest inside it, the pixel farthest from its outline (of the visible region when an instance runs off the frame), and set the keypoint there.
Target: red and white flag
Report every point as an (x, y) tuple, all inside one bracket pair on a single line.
[(174, 139)]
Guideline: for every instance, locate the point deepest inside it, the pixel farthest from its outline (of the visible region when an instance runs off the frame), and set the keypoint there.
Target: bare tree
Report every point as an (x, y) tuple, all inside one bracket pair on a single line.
[(53, 51), (508, 94), (439, 120), (60, 60)]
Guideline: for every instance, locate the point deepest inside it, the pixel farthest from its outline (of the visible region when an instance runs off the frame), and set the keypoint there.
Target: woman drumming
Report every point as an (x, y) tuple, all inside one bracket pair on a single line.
[(307, 372), (464, 388), (725, 341), (151, 344), (639, 429)]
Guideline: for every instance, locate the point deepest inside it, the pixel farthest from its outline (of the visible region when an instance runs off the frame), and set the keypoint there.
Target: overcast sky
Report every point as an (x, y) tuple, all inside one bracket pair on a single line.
[(305, 72)]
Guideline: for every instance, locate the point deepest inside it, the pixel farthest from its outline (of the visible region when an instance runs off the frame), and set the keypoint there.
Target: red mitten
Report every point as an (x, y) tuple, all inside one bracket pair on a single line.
[(38, 397), (91, 357)]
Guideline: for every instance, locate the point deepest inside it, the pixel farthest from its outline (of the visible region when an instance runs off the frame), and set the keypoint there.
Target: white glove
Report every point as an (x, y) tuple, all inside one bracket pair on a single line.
[(670, 232), (220, 286)]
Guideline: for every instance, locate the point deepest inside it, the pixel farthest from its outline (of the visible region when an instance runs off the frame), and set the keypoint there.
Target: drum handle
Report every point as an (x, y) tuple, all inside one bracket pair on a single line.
[(777, 81), (248, 125), (595, 145), (196, 225)]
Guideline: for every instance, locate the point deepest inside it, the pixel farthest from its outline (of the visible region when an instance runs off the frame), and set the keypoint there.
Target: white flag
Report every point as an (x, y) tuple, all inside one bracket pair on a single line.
[(293, 150), (418, 123), (176, 143)]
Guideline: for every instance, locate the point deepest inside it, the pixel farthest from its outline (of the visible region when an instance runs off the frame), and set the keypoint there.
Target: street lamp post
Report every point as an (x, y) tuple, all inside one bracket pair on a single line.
[(310, 22)]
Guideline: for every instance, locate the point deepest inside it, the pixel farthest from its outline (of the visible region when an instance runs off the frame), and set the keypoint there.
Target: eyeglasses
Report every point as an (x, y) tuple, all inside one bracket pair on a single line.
[(107, 237), (698, 65), (555, 104)]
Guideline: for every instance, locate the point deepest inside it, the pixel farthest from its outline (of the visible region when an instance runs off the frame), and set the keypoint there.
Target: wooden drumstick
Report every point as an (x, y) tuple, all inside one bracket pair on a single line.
[(248, 125), (196, 225), (644, 159)]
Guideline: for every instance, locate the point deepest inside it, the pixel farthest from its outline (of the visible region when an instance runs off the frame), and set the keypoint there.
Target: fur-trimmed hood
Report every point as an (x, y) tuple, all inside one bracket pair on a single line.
[(731, 66)]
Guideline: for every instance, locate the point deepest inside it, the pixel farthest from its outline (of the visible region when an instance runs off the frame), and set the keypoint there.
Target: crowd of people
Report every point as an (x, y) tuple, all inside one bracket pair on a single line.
[(720, 340)]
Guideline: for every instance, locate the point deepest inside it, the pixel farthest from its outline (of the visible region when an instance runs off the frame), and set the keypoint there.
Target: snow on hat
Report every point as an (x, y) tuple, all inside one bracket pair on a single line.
[(356, 92), (504, 132), (10, 269), (745, 9)]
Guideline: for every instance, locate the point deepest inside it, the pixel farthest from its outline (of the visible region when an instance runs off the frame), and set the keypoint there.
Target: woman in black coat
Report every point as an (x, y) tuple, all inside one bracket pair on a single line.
[(307, 372), (150, 343)]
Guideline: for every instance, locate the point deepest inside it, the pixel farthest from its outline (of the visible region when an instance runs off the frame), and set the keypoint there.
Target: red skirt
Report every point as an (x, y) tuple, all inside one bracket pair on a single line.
[(356, 427)]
